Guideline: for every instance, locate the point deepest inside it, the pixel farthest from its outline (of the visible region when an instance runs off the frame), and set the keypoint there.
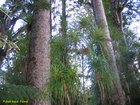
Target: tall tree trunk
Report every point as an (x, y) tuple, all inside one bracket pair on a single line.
[(64, 31), (117, 7), (108, 49), (38, 69), (117, 13)]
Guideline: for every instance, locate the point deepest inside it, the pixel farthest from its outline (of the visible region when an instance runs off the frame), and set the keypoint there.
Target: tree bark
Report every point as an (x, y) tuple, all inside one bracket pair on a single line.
[(38, 68), (108, 49)]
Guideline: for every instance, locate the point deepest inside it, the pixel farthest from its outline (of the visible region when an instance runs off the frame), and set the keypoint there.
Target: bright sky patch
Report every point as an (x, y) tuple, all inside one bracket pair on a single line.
[(2, 2)]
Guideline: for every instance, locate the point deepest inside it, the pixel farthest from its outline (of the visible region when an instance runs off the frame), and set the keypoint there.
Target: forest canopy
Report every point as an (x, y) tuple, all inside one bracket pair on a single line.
[(69, 52)]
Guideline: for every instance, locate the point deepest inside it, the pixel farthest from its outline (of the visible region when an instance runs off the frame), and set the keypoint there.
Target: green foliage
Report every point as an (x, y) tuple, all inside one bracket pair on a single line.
[(87, 22), (98, 35), (16, 87), (102, 69), (23, 44), (101, 73), (130, 72), (16, 74), (39, 5), (57, 48), (5, 12), (102, 77), (64, 80), (9, 92), (64, 84), (74, 38), (94, 32), (4, 41)]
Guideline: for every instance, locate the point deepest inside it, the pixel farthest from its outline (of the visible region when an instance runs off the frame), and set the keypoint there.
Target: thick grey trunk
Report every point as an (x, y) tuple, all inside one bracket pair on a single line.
[(38, 69), (108, 49)]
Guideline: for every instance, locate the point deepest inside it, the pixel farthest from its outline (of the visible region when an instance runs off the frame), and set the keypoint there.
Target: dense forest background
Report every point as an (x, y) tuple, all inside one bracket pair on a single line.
[(69, 52)]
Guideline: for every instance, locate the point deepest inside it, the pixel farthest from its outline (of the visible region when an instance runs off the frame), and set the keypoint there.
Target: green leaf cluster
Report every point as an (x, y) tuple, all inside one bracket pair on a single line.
[(9, 92), (44, 4), (64, 81)]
